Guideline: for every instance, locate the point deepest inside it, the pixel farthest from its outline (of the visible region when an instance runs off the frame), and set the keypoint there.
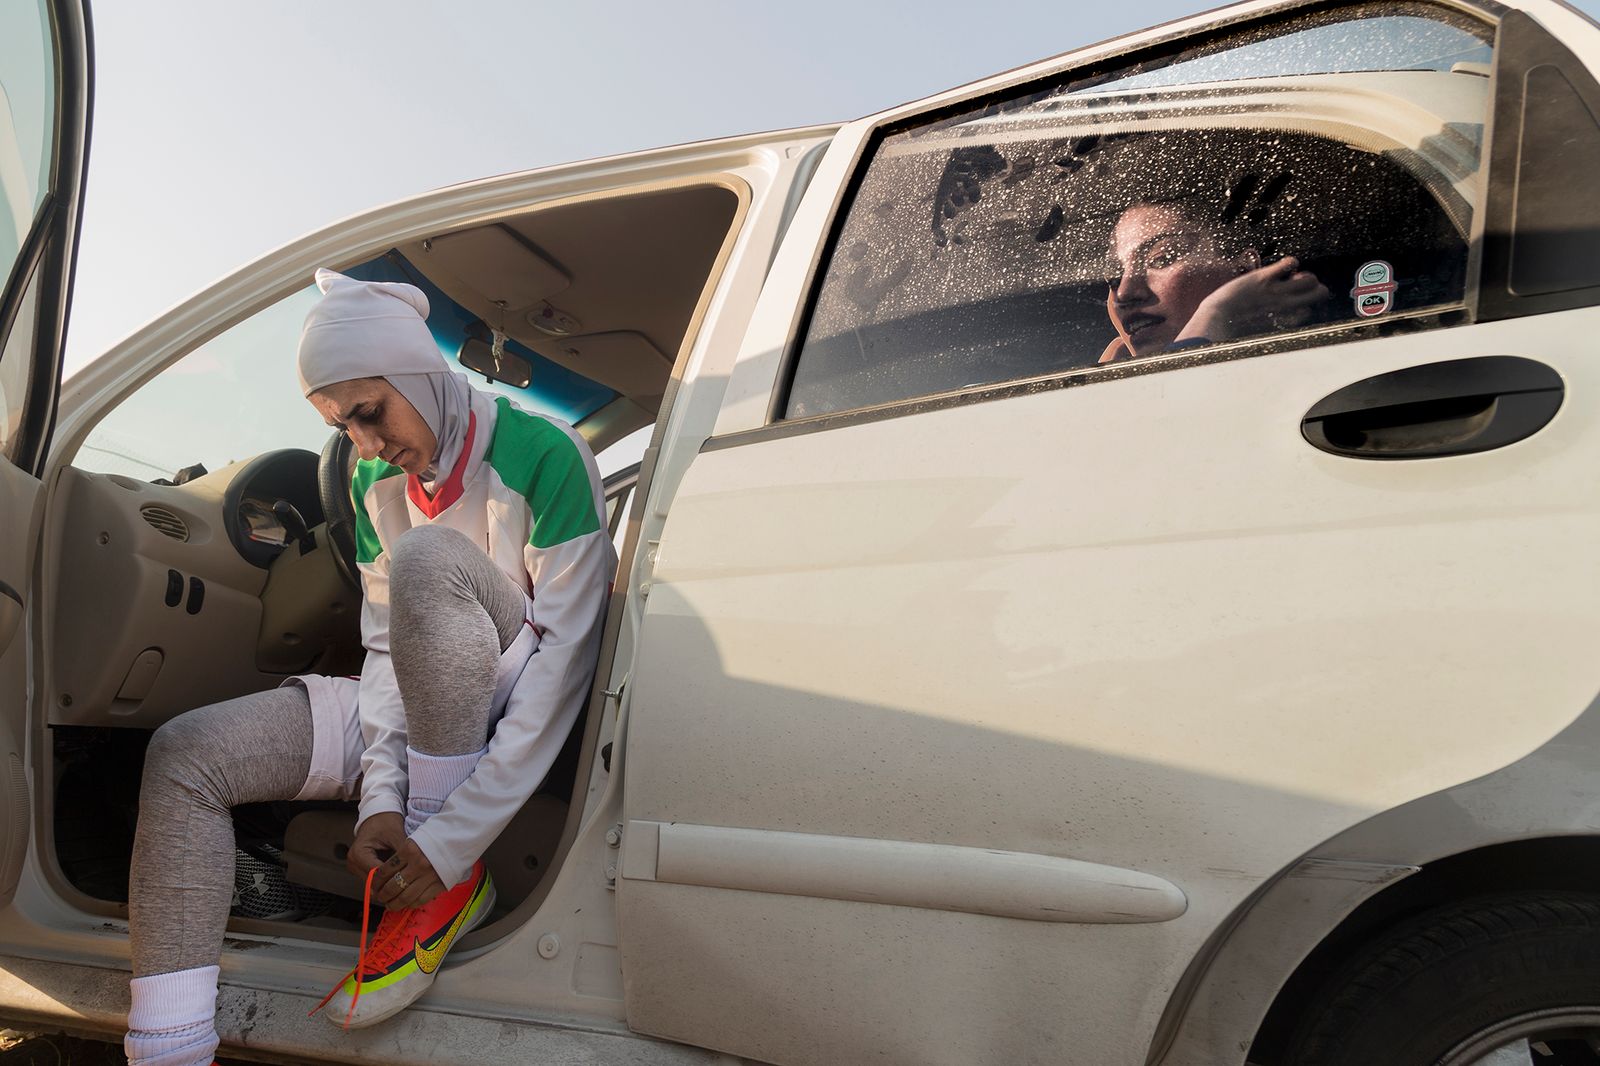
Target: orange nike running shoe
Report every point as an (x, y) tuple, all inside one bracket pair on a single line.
[(406, 951)]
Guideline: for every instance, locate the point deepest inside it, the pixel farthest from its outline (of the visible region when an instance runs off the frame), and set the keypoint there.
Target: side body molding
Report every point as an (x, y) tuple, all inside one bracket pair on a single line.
[(1006, 884)]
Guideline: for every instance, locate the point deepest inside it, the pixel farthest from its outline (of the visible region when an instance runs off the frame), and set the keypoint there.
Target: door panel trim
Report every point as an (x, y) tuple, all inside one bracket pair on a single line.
[(946, 877)]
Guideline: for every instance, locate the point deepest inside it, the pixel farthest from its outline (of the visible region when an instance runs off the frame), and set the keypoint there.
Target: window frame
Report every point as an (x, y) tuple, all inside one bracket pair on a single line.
[(1492, 15), (1521, 46)]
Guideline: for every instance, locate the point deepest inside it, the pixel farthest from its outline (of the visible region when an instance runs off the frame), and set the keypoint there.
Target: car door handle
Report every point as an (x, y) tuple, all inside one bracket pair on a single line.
[(1449, 408), (10, 614)]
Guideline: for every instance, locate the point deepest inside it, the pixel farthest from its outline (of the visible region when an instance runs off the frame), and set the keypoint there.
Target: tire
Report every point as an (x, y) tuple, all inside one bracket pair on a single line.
[(1450, 985)]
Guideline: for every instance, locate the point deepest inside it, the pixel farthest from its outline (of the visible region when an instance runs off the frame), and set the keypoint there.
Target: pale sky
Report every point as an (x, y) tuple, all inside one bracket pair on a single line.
[(224, 129)]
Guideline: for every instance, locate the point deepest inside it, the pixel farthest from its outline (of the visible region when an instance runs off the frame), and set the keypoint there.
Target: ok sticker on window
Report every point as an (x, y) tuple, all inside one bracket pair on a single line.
[(1374, 290)]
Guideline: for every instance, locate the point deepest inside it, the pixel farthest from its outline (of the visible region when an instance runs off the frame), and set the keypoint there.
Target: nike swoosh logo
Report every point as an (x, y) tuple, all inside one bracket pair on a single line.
[(428, 959)]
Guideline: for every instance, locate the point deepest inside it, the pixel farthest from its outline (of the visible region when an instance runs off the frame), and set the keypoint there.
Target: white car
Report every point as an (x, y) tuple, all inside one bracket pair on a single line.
[(995, 673)]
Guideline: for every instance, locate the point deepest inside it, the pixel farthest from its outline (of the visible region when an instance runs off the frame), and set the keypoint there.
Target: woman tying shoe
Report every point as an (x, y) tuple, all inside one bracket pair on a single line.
[(485, 566)]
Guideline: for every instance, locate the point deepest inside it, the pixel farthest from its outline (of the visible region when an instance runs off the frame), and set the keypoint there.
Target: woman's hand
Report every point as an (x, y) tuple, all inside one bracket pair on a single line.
[(408, 879), (377, 839), (405, 877), (1271, 298)]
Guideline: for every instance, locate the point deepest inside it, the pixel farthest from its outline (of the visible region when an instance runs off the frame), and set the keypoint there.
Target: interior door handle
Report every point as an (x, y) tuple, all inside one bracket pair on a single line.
[(1449, 408)]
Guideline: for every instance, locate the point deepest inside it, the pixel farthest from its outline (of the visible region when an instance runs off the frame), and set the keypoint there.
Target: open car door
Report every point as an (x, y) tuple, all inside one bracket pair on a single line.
[(44, 140)]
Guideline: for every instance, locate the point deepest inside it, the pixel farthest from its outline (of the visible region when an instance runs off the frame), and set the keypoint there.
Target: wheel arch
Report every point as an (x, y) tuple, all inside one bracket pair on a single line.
[(1568, 863), (1534, 824)]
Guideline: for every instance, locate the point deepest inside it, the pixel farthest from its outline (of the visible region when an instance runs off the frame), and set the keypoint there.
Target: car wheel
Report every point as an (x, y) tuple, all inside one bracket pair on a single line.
[(1497, 981)]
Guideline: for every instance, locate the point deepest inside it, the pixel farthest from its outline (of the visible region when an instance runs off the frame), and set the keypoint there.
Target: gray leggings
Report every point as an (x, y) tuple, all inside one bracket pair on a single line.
[(452, 612)]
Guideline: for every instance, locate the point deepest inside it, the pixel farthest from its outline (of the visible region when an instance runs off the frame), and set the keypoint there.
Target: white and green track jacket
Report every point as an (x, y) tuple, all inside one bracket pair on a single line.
[(530, 495)]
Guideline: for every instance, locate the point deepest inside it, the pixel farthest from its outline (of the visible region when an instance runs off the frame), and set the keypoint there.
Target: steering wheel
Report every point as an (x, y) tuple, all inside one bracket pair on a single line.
[(333, 490)]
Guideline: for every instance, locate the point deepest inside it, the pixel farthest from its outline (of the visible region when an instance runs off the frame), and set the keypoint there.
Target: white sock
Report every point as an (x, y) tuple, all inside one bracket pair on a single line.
[(432, 779), (173, 1019)]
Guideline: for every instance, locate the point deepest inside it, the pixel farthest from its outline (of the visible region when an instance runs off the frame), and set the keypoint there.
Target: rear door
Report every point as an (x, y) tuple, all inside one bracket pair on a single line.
[(1030, 608), (44, 127)]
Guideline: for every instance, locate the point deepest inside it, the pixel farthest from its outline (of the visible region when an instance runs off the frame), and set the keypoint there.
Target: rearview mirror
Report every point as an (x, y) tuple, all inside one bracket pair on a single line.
[(510, 368)]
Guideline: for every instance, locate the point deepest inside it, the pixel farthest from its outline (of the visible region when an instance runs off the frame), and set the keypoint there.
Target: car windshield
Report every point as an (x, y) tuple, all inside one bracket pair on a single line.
[(250, 369)]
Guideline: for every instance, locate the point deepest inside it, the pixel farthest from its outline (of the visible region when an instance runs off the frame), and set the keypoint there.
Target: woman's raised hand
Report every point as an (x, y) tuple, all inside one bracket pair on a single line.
[(1274, 297)]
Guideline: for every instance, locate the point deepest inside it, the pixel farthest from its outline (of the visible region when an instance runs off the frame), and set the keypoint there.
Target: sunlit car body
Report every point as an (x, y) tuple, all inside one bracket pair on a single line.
[(964, 699)]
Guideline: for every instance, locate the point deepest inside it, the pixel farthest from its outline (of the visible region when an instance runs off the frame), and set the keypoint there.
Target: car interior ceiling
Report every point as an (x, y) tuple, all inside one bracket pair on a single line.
[(162, 604)]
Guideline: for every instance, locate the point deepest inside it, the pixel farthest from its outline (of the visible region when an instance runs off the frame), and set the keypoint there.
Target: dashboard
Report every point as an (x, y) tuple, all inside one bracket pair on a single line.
[(167, 597)]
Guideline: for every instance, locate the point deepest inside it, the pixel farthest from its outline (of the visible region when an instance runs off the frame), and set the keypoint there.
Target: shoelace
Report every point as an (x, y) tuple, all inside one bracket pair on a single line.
[(361, 954)]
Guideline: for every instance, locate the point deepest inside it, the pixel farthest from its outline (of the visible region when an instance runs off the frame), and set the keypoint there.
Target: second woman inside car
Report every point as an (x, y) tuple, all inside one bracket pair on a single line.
[(1185, 277)]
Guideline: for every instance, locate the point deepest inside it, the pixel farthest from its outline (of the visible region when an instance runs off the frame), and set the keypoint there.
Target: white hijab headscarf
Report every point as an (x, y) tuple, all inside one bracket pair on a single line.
[(379, 329)]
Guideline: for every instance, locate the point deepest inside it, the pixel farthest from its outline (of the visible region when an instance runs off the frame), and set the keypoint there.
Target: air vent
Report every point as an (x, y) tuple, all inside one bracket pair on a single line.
[(165, 522)]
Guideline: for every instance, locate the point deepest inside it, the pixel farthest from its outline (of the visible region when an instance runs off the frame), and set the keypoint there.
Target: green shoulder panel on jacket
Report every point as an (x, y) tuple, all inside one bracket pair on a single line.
[(367, 474), (540, 462)]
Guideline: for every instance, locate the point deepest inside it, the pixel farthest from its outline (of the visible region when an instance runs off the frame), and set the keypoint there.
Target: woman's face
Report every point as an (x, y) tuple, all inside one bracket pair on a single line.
[(1166, 264), (381, 423)]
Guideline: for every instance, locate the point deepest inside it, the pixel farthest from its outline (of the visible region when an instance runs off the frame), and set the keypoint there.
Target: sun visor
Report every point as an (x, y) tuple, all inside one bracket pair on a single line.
[(622, 360), (494, 264)]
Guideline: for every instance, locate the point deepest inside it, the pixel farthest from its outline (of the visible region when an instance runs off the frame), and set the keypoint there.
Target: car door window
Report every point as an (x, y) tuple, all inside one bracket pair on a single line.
[(27, 105), (1313, 180), (231, 398), (15, 367)]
